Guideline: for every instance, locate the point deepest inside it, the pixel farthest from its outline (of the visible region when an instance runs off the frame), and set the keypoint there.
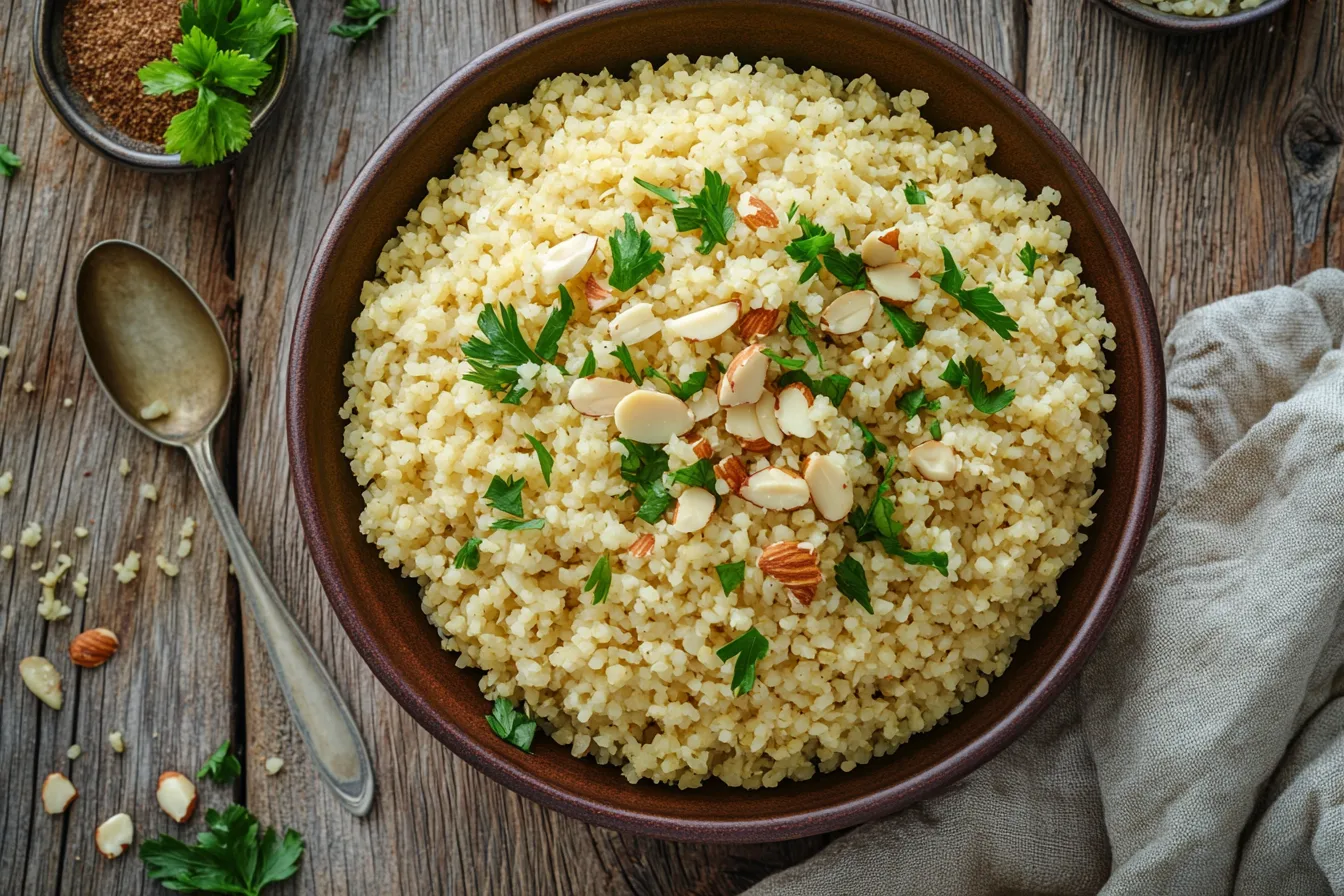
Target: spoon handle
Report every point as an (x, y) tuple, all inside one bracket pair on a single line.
[(321, 715)]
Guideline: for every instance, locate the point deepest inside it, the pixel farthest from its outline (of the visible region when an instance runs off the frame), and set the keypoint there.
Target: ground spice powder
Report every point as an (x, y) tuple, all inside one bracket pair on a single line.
[(106, 43)]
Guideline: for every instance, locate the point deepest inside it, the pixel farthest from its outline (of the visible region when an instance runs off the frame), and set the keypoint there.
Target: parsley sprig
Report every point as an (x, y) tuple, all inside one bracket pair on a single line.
[(495, 358), (632, 255), (877, 523), (510, 725), (706, 211), (815, 248), (1029, 256), (228, 856), (10, 163), (971, 375), (980, 301), (506, 496), (800, 325), (914, 195), (599, 580), (643, 467), (363, 17), (746, 650), (909, 329), (222, 767), (469, 555)]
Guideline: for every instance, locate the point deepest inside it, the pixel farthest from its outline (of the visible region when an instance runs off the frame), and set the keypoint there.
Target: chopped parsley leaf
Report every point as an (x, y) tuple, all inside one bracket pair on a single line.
[(847, 268), (495, 359), (622, 352), (853, 584), (877, 523), (971, 375), (10, 163), (800, 325), (222, 766), (698, 475), (589, 365), (364, 16), (980, 301), (232, 855), (544, 458), (512, 726), (654, 499), (661, 192), (912, 402), (469, 555), (685, 391), (834, 386), (515, 525), (506, 495), (870, 443), (644, 466), (786, 363), (909, 329), (749, 648), (599, 580), (793, 210), (816, 247), (936, 430), (1029, 256), (632, 255), (706, 211), (731, 575), (952, 374), (914, 195)]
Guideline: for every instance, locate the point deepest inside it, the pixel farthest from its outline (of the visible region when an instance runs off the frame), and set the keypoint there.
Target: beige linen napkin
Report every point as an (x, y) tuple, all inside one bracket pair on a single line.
[(1201, 751)]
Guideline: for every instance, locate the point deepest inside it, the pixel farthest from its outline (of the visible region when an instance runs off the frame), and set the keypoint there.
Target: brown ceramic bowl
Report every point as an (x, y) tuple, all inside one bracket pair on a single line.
[(1154, 19), (381, 610)]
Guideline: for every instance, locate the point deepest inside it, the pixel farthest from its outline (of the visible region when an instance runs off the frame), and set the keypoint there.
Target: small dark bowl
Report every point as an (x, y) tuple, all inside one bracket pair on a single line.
[(1151, 17), (381, 610), (53, 77)]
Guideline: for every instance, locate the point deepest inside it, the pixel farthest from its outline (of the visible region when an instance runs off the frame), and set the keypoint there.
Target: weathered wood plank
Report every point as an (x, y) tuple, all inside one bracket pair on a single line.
[(437, 826)]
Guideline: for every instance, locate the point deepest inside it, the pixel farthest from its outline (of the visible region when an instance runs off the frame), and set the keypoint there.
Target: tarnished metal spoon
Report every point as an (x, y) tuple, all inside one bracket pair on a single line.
[(150, 338)]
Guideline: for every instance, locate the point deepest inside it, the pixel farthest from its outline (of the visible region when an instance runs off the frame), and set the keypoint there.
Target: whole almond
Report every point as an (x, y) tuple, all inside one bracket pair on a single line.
[(732, 472), (756, 323), (42, 679), (793, 565), (760, 214), (94, 647), (642, 547)]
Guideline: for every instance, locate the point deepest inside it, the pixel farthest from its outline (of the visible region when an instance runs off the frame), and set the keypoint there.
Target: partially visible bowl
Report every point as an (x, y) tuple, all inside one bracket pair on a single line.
[(53, 77), (381, 610), (1155, 19)]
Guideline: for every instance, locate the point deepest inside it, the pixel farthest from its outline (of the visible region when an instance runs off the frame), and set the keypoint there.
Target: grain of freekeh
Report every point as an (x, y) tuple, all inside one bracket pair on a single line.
[(635, 680)]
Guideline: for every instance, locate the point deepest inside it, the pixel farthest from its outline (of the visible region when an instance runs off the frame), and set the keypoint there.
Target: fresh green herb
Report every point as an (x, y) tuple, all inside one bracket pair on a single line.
[(506, 495), (548, 343), (495, 359), (654, 499), (252, 28), (622, 352), (980, 301), (544, 458), (910, 330), (971, 375), (10, 163), (952, 374), (793, 210), (644, 466), (878, 523), (632, 255), (731, 575), (870, 443), (589, 365), (914, 195), (222, 766), (469, 555), (936, 430), (800, 325), (1029, 256), (852, 582), (816, 248), (848, 268), (786, 363), (661, 192), (363, 16), (834, 386), (685, 391), (706, 211), (599, 580), (936, 559), (511, 726), (750, 648), (912, 402), (698, 475), (517, 525), (228, 856)]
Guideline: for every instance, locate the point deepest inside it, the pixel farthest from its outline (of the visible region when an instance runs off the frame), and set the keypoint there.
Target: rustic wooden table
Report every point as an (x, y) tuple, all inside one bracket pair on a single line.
[(1222, 154)]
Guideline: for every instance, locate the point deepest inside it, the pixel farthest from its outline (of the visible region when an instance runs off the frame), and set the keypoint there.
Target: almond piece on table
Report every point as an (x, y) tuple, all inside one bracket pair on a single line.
[(94, 647), (765, 416), (793, 410), (832, 493), (732, 472), (935, 461), (57, 793), (794, 565), (743, 424), (635, 324), (776, 488), (114, 835), (895, 284), (879, 248), (599, 294), (652, 417), (756, 323), (565, 259), (597, 396), (702, 448), (694, 508), (756, 213), (42, 679), (176, 795), (744, 380), (705, 323), (642, 546), (849, 313)]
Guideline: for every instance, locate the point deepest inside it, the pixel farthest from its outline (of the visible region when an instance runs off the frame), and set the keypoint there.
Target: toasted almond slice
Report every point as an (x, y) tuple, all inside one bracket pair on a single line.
[(694, 508), (42, 679), (776, 488), (642, 547), (652, 417), (849, 313), (831, 490), (742, 423), (731, 471), (756, 323), (94, 647), (702, 448), (599, 294), (176, 795), (794, 565), (597, 396), (114, 835), (879, 248), (755, 213), (744, 381), (765, 416), (635, 324), (704, 404), (57, 793), (793, 410), (935, 461), (706, 323), (565, 259), (896, 284)]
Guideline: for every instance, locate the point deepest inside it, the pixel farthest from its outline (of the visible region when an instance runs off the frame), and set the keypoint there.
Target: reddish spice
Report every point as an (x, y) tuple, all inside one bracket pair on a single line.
[(106, 42)]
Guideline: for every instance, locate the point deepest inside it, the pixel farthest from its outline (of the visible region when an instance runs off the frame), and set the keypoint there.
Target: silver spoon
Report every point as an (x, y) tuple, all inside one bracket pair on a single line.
[(149, 338)]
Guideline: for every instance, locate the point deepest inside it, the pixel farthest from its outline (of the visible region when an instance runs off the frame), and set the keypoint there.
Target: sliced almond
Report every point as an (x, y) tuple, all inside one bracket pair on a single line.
[(793, 410), (756, 323), (849, 313), (652, 417), (704, 404), (599, 294), (765, 417), (776, 488), (597, 396), (565, 259), (896, 284), (635, 324), (755, 213), (744, 380), (742, 423), (732, 472), (94, 647), (794, 565), (702, 448), (879, 248), (114, 835), (176, 795), (694, 508), (642, 547), (706, 323), (829, 484), (42, 679), (57, 793), (935, 461)]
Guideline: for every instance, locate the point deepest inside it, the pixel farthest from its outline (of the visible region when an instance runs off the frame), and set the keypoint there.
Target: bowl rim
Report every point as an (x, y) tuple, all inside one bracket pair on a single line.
[(804, 821), (1151, 17)]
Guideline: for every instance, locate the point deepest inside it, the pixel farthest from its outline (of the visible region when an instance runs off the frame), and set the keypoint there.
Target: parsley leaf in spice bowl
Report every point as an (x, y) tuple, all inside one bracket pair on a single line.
[(163, 86)]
